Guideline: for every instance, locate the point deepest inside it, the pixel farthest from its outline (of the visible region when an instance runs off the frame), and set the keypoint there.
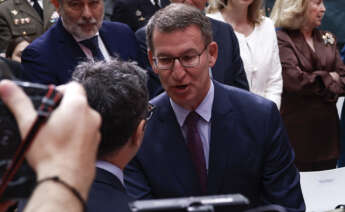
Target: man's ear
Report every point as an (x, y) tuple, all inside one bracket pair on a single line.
[(138, 135), (213, 53), (150, 57), (56, 4)]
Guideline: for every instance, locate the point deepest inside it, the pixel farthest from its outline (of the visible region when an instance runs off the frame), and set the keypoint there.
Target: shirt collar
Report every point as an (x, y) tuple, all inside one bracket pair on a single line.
[(204, 109), (111, 168)]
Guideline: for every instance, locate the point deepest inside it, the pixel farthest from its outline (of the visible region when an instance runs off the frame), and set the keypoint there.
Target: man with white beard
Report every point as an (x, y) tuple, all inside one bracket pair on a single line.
[(80, 33)]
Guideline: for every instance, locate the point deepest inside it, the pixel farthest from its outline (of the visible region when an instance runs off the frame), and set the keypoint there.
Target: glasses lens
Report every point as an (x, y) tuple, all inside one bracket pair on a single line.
[(164, 62), (190, 61)]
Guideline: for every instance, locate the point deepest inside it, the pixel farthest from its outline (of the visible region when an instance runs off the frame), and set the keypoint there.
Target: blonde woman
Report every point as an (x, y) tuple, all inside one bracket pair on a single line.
[(314, 77), (258, 44)]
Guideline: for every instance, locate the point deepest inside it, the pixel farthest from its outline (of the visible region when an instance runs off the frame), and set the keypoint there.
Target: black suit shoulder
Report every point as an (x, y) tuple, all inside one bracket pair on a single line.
[(107, 194), (135, 13)]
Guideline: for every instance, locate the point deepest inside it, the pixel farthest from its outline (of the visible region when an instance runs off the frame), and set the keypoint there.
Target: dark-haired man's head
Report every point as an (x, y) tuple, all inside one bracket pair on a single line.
[(117, 90)]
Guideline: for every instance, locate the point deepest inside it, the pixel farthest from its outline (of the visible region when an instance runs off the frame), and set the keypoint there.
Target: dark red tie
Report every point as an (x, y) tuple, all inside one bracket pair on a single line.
[(195, 148)]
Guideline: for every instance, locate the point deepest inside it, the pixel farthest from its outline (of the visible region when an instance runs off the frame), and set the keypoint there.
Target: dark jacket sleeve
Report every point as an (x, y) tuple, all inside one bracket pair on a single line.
[(281, 179), (240, 77), (153, 84)]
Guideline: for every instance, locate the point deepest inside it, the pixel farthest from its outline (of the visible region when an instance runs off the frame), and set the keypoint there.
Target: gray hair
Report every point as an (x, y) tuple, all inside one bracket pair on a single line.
[(178, 17), (117, 90)]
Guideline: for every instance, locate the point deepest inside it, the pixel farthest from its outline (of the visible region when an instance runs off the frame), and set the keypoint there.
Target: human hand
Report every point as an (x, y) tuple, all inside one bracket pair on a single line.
[(66, 145)]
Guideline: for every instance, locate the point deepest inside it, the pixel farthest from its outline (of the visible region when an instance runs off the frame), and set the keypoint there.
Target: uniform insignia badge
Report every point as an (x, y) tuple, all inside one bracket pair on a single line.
[(14, 12), (16, 21), (141, 19), (22, 20), (27, 20), (2, 1), (138, 13), (54, 17)]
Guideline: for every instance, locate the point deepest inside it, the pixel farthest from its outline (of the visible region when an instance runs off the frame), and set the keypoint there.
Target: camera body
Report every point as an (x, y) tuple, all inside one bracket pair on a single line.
[(10, 138)]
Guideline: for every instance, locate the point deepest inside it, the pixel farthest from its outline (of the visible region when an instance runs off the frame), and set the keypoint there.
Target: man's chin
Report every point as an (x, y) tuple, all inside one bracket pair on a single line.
[(85, 35)]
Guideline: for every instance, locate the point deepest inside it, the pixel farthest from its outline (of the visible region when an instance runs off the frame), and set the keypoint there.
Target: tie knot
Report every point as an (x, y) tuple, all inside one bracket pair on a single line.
[(90, 43), (192, 118)]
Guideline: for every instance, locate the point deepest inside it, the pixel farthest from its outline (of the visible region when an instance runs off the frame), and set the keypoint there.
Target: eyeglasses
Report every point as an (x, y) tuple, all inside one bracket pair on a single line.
[(187, 61), (150, 109)]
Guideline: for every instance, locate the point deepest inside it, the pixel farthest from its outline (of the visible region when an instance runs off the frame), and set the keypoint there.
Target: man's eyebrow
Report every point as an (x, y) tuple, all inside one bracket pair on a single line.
[(182, 54)]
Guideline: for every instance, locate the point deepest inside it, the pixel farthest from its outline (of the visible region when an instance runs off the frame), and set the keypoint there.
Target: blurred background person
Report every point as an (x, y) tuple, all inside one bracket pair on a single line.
[(258, 44), (16, 47), (134, 13), (331, 21), (313, 78), (25, 18)]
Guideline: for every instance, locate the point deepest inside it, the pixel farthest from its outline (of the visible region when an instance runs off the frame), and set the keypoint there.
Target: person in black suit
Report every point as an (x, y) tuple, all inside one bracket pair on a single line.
[(228, 68), (123, 106), (134, 13)]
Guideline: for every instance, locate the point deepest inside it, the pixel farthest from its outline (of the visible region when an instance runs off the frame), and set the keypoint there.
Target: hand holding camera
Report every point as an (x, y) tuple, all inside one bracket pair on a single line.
[(66, 144)]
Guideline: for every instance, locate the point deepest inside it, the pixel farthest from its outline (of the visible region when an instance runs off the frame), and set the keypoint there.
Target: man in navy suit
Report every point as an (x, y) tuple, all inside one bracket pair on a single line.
[(108, 85), (205, 137), (228, 68), (79, 34)]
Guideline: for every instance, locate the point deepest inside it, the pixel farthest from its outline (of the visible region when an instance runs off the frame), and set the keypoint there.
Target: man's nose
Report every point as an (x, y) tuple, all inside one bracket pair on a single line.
[(178, 71), (86, 11)]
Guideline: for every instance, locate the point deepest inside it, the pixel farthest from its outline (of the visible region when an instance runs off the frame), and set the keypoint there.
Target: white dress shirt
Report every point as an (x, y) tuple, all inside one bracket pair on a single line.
[(260, 55)]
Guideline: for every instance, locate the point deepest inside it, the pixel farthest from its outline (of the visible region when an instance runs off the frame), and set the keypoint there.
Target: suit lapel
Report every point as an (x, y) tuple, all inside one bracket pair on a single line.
[(68, 46), (26, 8), (175, 148), (221, 145), (306, 55), (107, 38)]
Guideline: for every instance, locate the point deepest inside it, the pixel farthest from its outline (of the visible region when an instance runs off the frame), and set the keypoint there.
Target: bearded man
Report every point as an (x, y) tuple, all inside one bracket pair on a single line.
[(79, 34)]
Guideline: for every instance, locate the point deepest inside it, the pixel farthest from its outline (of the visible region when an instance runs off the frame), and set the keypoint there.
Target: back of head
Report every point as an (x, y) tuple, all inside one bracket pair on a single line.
[(178, 17), (289, 14), (117, 90)]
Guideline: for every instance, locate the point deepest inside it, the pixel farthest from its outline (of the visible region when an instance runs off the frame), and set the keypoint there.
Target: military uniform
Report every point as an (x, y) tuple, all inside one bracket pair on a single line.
[(18, 18), (134, 13)]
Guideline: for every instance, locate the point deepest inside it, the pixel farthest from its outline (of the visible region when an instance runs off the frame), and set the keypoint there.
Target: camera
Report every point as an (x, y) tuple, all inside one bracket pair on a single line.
[(23, 181)]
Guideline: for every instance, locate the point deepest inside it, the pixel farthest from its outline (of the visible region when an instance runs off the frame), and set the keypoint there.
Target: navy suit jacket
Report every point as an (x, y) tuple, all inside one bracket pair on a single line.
[(107, 194), (249, 154), (51, 58), (228, 68)]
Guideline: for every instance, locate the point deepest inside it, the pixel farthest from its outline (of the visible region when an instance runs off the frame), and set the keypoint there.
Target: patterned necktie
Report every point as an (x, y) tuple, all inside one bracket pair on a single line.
[(92, 44), (38, 8), (195, 148)]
